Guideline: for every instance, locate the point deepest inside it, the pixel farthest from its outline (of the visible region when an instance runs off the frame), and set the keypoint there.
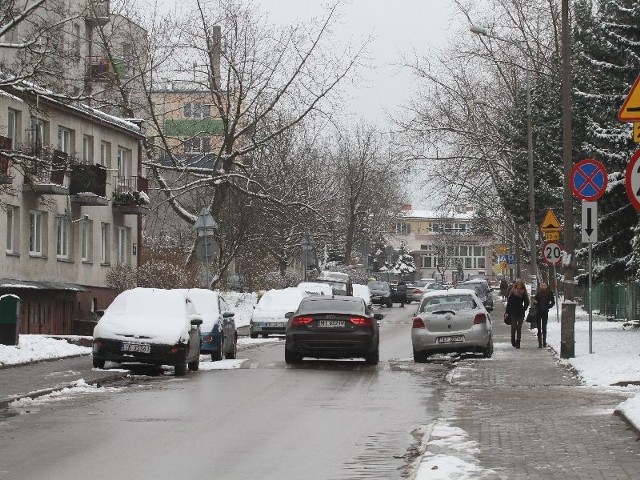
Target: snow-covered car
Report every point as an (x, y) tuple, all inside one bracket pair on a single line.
[(218, 334), (269, 315), (451, 321), (149, 325), (363, 292), (340, 282), (332, 327), (316, 288), (419, 288)]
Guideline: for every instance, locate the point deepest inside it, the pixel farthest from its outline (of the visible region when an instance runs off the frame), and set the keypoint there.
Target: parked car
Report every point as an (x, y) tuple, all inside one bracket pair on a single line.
[(316, 288), (451, 321), (218, 334), (380, 293), (363, 292), (419, 288), (340, 282), (149, 325), (482, 289), (332, 327), (269, 315)]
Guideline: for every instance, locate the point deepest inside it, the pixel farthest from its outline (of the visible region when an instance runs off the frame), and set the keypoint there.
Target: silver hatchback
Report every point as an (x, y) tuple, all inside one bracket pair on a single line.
[(451, 321)]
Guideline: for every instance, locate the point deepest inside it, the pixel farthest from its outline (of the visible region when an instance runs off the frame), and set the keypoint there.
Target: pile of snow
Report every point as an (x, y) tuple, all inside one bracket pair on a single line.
[(33, 348)]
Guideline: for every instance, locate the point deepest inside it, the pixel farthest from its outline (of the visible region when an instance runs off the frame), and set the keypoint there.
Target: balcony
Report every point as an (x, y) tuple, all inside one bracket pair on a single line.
[(98, 12), (101, 69), (130, 195), (88, 185), (46, 174), (5, 162)]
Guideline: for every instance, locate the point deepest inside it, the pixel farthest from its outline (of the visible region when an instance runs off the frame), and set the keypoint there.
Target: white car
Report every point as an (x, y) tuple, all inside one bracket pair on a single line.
[(149, 325), (363, 292), (269, 315)]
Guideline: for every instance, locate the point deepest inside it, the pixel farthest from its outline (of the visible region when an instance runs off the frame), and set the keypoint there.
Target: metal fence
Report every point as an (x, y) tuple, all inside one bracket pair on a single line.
[(615, 300)]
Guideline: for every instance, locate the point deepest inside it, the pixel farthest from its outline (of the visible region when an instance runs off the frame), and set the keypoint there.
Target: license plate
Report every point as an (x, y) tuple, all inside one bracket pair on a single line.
[(136, 347), (331, 323), (450, 339), (275, 325)]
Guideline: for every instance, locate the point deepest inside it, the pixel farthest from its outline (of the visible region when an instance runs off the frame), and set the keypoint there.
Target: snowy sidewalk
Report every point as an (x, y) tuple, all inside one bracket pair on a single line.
[(523, 414)]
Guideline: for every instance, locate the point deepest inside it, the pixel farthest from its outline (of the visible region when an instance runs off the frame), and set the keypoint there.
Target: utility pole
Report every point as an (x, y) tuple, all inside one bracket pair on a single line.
[(567, 327)]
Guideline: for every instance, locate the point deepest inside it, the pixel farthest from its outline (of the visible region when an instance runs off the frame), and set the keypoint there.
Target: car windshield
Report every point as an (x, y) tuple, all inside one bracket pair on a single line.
[(447, 302), (378, 286), (333, 305)]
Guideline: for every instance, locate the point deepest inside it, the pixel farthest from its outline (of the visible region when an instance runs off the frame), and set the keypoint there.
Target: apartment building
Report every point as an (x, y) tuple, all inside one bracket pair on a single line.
[(444, 246), (72, 194)]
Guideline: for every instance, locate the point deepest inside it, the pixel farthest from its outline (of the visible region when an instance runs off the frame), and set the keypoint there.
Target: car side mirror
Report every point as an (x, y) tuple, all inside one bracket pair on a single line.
[(195, 319), (378, 316), (228, 315), (288, 315)]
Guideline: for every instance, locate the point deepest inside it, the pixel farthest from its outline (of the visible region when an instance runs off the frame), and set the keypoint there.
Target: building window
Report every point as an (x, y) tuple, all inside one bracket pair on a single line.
[(38, 134), (197, 145), (123, 241), (87, 149), (402, 228), (196, 110), (35, 233), (62, 235), (105, 154), (481, 263), (104, 243), (13, 126), (467, 262), (124, 162), (13, 229), (65, 140), (426, 261), (85, 241)]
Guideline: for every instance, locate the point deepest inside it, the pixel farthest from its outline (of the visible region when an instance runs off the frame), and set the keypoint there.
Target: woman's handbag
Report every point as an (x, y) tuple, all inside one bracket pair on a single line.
[(507, 319)]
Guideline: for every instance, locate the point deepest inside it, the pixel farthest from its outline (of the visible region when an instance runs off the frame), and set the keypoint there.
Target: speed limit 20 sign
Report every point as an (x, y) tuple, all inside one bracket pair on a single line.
[(552, 252)]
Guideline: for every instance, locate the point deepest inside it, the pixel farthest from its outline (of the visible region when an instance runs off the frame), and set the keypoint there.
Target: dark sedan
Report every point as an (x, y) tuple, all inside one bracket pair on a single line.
[(380, 293), (338, 327)]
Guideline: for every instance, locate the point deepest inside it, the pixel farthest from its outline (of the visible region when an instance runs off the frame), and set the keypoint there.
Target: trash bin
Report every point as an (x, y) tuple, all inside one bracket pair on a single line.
[(9, 309)]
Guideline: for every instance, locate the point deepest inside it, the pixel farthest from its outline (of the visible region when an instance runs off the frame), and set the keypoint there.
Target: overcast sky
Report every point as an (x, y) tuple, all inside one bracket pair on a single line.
[(398, 27)]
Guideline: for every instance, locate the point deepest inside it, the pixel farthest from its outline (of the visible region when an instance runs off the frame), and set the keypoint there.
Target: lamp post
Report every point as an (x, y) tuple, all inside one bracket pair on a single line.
[(532, 207)]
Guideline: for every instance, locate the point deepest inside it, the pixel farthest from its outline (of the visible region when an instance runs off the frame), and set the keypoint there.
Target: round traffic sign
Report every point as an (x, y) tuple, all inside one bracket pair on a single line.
[(552, 252), (632, 177), (588, 179)]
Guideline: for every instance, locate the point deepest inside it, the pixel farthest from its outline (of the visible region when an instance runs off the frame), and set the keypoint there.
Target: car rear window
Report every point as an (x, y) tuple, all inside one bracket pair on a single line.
[(448, 302), (333, 305), (378, 286)]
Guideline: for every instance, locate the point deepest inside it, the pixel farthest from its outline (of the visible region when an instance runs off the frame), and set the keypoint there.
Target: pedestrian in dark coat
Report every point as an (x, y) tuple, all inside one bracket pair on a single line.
[(544, 300), (401, 290), (504, 287), (517, 304)]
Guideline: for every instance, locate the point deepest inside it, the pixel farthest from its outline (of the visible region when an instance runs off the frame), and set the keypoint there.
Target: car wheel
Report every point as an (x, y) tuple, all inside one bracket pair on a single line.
[(292, 357), (180, 370), (195, 365), (420, 357), (390, 304), (253, 335), (372, 358), (217, 355), (98, 363), (234, 349)]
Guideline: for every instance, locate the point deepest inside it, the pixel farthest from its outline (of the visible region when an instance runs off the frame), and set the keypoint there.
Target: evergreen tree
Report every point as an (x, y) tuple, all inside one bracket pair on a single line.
[(405, 262), (607, 61)]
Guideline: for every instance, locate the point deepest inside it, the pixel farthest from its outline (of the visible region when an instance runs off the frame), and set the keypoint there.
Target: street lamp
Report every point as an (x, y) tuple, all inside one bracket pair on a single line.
[(532, 206)]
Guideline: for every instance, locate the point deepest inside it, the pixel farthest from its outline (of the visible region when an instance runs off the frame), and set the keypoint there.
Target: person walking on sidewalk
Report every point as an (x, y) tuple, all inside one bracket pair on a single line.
[(517, 304), (544, 300), (401, 290)]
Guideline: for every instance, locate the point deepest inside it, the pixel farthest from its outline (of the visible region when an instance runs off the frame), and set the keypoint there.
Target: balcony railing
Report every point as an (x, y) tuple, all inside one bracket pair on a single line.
[(88, 184), (47, 172), (98, 12), (130, 194), (100, 68)]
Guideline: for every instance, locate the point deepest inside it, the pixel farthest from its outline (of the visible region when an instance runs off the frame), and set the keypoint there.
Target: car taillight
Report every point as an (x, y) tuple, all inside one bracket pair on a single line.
[(418, 291), (418, 323), (361, 321), (480, 318), (301, 320)]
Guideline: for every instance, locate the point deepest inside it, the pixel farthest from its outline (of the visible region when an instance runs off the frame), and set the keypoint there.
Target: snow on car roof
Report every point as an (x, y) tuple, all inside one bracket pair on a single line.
[(206, 303), (276, 299), (153, 315), (450, 292), (362, 291), (316, 288)]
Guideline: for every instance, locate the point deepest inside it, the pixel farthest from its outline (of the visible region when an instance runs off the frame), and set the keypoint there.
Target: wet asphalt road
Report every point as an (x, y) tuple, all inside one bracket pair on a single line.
[(268, 420)]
